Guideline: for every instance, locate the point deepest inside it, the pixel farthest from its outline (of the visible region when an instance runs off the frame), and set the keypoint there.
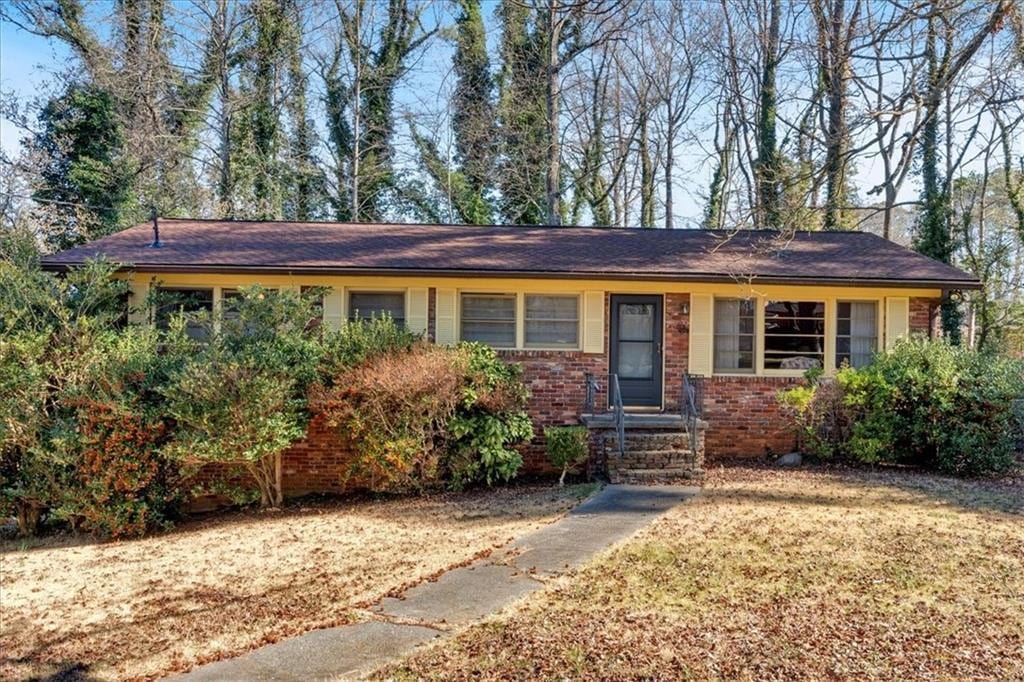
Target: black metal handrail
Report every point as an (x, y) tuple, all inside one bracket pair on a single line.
[(614, 405), (593, 388), (619, 412), (691, 406)]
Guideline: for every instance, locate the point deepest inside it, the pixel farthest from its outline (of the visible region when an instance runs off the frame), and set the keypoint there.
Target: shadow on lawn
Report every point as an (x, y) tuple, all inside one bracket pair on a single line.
[(513, 501), (1002, 495), (1005, 495)]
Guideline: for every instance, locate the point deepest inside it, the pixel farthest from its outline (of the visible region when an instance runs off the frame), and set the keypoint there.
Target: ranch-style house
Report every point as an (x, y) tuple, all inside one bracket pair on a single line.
[(670, 344)]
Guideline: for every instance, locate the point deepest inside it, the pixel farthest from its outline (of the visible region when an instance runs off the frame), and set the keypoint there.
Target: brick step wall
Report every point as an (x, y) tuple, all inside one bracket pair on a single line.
[(655, 456)]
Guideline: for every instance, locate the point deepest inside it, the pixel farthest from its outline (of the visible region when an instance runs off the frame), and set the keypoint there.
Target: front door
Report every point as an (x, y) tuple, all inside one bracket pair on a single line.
[(636, 348)]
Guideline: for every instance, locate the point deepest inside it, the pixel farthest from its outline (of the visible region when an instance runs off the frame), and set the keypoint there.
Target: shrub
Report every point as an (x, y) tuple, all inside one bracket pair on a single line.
[(109, 433), (357, 342), (394, 409), (567, 447), (935, 405), (48, 325), (490, 420), (924, 403), (428, 414), (241, 397), (818, 415)]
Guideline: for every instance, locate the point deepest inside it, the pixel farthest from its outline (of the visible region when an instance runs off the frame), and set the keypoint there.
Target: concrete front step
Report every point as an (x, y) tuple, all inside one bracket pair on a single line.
[(665, 475), (649, 441), (658, 460)]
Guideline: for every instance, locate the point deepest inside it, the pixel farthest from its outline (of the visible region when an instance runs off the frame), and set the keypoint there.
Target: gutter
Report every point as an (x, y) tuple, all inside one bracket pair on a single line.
[(963, 285)]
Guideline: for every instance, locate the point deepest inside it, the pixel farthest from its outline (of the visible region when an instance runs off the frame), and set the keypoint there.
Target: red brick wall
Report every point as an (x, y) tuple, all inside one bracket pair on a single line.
[(318, 463), (557, 384), (677, 346), (923, 316), (743, 416)]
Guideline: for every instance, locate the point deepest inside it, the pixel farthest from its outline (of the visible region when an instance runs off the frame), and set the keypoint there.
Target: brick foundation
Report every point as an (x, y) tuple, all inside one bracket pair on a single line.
[(743, 416)]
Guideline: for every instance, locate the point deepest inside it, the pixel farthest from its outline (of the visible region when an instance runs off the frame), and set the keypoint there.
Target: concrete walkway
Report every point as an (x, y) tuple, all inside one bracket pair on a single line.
[(459, 597)]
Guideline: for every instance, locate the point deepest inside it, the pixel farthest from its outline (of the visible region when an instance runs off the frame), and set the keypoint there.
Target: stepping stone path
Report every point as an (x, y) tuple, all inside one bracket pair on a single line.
[(458, 597)]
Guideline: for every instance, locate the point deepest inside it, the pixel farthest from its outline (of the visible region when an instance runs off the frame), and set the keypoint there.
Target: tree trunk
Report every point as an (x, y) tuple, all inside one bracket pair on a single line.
[(768, 171), (670, 135), (646, 173), (552, 184)]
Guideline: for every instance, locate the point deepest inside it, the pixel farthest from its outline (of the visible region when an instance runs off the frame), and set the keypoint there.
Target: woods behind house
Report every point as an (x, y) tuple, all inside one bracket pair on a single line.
[(901, 118)]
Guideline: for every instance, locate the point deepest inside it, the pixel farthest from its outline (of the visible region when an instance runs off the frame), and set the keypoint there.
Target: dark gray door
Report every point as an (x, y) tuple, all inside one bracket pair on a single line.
[(636, 348)]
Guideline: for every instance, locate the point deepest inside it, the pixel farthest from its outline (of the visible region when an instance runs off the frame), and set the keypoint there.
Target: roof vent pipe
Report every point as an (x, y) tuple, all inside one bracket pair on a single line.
[(156, 228)]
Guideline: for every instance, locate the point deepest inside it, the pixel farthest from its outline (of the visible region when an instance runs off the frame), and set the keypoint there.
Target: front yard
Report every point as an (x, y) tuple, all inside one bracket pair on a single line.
[(780, 575), (219, 587)]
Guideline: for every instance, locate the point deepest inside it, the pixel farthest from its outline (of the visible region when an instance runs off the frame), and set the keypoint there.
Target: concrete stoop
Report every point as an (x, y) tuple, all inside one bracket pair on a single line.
[(651, 457)]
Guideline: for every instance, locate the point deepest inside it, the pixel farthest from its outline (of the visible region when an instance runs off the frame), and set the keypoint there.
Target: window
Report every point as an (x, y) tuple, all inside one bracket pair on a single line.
[(229, 299), (856, 332), (364, 305), (552, 321), (734, 335), (489, 318), (794, 335), (175, 300)]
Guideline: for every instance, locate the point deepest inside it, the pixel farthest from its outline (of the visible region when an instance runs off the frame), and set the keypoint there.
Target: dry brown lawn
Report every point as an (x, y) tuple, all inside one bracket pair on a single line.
[(779, 575), (219, 587)]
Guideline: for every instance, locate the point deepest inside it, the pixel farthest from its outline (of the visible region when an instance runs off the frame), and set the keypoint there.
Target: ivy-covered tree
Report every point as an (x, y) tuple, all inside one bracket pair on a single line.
[(468, 183), (367, 62), (85, 176), (521, 118)]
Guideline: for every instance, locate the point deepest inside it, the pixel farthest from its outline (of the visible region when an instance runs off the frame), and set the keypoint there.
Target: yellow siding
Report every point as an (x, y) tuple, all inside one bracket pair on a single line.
[(593, 322), (445, 313), (701, 333), (137, 311), (893, 303), (897, 319), (334, 307), (513, 285)]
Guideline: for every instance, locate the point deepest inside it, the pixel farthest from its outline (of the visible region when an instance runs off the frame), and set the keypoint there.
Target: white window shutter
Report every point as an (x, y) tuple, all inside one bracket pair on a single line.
[(897, 319), (416, 310), (445, 314), (138, 310), (593, 322), (334, 304), (701, 334)]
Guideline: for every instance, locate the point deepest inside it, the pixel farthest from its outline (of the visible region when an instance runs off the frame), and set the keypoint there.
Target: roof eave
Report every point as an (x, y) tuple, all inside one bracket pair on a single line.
[(59, 266)]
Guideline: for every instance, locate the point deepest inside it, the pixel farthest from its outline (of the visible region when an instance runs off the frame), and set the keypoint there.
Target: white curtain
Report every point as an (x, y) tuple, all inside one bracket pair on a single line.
[(863, 332), (727, 334)]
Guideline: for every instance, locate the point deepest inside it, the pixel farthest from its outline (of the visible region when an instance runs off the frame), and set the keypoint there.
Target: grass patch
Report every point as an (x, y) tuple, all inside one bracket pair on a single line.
[(218, 587), (773, 574)]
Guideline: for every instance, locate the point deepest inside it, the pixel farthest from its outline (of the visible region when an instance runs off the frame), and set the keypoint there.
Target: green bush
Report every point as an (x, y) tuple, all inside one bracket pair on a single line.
[(110, 431), (818, 415), (923, 403), (935, 405), (356, 342), (490, 420), (240, 398), (567, 447), (49, 326)]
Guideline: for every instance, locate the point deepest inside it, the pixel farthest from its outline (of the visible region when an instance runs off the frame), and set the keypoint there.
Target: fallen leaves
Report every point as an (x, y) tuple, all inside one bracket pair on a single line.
[(774, 575), (219, 587)]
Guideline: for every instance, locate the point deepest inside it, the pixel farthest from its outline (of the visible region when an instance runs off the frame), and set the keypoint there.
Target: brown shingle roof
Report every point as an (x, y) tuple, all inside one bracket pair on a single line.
[(617, 253)]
